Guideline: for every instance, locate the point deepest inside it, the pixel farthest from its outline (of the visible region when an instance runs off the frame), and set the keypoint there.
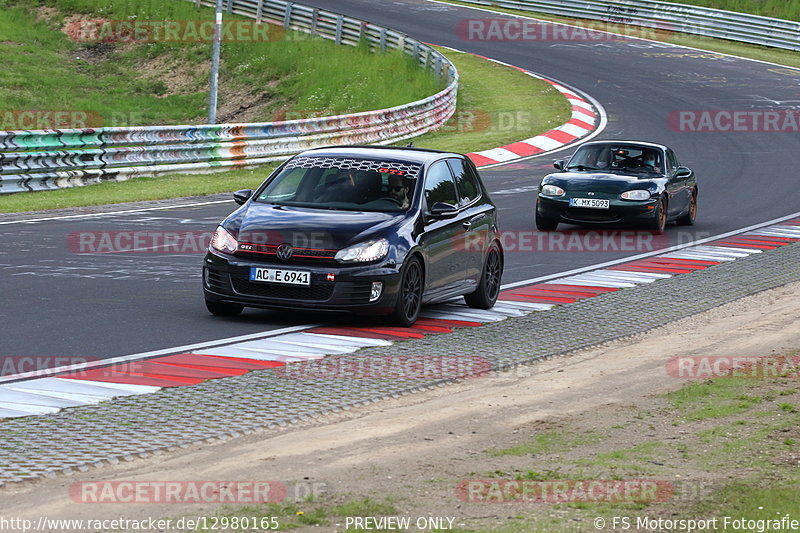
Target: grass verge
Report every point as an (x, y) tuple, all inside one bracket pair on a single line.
[(485, 119), (727, 446), (287, 516), (53, 61), (766, 8)]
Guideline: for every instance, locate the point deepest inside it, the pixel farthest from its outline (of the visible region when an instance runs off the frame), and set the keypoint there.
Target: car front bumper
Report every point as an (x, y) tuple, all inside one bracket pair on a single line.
[(619, 211), (345, 288)]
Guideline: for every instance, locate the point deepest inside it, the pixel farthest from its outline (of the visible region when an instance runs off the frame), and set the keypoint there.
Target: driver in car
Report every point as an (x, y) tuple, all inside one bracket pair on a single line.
[(398, 189), (650, 161), (597, 159)]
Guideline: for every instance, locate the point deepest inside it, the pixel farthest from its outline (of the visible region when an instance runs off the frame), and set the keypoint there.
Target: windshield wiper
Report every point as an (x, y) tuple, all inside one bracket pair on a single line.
[(581, 167)]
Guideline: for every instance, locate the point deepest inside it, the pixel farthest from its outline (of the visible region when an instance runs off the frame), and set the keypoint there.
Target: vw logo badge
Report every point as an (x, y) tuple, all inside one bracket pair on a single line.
[(284, 252)]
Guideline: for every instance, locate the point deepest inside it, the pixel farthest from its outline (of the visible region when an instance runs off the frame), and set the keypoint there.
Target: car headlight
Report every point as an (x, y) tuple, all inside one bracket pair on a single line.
[(638, 194), (223, 241), (363, 252), (552, 190)]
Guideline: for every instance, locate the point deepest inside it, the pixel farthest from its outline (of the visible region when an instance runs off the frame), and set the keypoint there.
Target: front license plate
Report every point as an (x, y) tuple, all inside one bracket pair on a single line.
[(591, 203), (275, 275)]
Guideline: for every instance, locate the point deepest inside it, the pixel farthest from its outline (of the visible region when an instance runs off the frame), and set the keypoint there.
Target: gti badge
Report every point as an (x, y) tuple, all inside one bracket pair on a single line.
[(284, 252)]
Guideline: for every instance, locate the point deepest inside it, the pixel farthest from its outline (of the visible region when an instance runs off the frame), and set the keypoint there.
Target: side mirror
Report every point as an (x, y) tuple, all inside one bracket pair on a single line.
[(443, 210), (559, 164), (240, 197), (683, 172)]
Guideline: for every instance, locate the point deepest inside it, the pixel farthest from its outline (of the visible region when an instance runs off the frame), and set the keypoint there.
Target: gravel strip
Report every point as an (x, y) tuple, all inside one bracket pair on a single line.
[(132, 427)]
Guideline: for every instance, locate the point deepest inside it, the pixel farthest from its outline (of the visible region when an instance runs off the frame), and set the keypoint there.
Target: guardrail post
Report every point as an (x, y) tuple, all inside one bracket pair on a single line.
[(314, 19), (197, 3), (383, 40), (339, 24), (415, 52), (230, 6), (260, 11), (362, 32), (287, 16)]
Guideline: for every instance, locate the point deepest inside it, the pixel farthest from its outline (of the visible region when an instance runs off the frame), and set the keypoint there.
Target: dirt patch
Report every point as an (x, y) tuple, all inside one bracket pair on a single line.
[(95, 53), (597, 414), (235, 104), (241, 105), (75, 27), (47, 13), (176, 77)]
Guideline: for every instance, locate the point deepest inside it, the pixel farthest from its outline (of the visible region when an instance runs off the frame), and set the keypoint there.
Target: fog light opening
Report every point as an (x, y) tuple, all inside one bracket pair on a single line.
[(375, 292)]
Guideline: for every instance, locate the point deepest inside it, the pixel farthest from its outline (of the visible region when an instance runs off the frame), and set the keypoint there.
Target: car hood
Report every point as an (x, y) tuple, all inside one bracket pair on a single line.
[(308, 228), (598, 181)]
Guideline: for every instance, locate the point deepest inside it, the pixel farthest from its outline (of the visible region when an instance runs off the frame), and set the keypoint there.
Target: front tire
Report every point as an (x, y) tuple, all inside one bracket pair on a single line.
[(223, 308), (488, 289), (659, 220), (409, 296)]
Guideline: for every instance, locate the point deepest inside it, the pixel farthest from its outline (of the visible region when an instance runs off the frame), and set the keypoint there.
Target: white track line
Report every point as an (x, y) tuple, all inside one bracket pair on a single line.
[(112, 213)]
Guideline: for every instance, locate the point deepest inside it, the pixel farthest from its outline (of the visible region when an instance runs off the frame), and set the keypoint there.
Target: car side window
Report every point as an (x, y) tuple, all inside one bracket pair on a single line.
[(439, 185), (466, 181), (673, 161)]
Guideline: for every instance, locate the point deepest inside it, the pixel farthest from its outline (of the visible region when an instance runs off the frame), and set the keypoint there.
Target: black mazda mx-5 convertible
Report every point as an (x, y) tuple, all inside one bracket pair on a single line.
[(372, 230), (629, 182)]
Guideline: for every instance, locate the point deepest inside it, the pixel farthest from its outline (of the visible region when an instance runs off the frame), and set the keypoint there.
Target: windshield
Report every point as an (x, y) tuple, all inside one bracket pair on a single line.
[(627, 158), (343, 184)]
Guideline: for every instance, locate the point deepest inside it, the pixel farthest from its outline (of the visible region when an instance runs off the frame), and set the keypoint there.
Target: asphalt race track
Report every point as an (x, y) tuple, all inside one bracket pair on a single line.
[(58, 301)]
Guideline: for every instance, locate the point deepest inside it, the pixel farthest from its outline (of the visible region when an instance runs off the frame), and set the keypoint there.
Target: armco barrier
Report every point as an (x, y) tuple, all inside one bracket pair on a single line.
[(48, 159), (668, 16)]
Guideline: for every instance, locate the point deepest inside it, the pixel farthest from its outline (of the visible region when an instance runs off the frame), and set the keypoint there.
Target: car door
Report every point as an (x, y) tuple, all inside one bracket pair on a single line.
[(476, 218), (443, 236), (676, 186)]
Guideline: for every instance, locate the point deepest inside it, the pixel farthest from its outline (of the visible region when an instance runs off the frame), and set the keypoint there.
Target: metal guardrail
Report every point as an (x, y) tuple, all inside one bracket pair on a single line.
[(668, 16), (49, 159)]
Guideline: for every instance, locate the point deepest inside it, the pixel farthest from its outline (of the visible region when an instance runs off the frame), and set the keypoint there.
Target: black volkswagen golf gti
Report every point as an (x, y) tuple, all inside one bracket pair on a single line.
[(371, 230)]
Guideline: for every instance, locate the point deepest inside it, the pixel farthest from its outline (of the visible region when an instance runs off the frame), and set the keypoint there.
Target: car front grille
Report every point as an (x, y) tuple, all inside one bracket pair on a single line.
[(347, 293), (590, 215), (268, 253)]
